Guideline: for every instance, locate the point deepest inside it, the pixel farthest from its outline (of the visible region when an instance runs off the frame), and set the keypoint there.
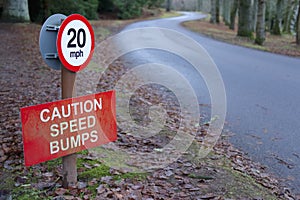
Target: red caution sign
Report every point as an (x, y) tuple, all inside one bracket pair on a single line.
[(64, 127)]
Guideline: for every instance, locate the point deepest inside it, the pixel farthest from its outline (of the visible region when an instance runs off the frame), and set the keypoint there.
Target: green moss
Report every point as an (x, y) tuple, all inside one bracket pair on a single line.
[(236, 185), (7, 181), (82, 161), (27, 193), (245, 186), (260, 41), (84, 152), (51, 164), (93, 189), (240, 185), (96, 172), (103, 170), (130, 175), (110, 157)]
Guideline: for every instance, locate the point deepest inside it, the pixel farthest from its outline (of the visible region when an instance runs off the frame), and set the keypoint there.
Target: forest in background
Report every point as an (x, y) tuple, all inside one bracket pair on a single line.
[(252, 18), (39, 10), (256, 17)]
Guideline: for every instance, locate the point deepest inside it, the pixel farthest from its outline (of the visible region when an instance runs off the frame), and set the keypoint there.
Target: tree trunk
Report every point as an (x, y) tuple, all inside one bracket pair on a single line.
[(213, 11), (245, 21), (226, 12), (260, 27), (298, 26), (254, 14), (277, 29), (182, 5), (168, 5), (218, 11), (268, 16), (289, 11), (233, 12), (201, 6), (15, 11)]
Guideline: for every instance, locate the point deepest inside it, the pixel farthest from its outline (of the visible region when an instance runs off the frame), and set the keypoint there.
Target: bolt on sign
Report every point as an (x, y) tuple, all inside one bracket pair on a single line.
[(64, 127)]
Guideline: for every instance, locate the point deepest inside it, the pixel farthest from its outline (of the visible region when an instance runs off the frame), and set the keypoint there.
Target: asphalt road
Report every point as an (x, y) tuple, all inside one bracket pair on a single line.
[(262, 92)]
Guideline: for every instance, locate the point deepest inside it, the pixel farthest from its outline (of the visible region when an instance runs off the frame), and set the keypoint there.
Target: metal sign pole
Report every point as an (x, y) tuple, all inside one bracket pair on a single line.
[(69, 161)]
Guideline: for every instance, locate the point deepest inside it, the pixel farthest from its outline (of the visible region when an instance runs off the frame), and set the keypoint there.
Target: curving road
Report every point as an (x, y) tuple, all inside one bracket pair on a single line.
[(263, 98)]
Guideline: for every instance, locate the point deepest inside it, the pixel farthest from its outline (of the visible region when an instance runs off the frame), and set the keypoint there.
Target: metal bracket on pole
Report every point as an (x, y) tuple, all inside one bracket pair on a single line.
[(52, 28), (51, 56), (48, 38)]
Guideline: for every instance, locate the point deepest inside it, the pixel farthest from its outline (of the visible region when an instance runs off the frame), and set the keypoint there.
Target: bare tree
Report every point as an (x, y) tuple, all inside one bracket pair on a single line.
[(260, 26), (15, 10)]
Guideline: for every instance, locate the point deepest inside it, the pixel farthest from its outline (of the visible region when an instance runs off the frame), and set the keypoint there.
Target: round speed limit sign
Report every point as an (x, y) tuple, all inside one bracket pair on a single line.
[(75, 42)]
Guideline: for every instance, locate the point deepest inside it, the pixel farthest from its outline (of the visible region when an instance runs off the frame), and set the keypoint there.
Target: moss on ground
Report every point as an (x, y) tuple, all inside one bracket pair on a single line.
[(27, 193), (96, 172)]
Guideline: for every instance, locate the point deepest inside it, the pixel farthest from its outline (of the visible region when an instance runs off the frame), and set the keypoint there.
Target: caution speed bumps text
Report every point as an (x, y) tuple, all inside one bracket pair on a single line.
[(76, 124)]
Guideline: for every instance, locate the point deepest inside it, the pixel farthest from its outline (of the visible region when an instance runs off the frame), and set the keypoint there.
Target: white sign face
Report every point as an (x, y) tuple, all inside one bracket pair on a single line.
[(75, 42)]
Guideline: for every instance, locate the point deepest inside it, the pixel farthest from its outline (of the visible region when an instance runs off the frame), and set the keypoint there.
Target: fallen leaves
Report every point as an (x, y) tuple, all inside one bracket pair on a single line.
[(26, 81)]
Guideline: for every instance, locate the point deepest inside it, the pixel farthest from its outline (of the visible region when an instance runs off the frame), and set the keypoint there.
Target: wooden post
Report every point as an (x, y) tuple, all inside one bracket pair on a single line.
[(69, 161)]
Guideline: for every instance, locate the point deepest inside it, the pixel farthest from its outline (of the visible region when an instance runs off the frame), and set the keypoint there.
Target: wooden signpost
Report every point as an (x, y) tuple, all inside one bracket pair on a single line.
[(75, 46), (62, 128)]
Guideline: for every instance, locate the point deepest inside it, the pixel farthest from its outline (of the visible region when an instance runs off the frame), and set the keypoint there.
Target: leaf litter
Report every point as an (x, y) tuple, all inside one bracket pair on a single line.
[(226, 173)]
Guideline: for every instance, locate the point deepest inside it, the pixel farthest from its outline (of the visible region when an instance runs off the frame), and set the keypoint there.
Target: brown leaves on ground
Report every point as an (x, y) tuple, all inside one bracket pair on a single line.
[(285, 44), (26, 80)]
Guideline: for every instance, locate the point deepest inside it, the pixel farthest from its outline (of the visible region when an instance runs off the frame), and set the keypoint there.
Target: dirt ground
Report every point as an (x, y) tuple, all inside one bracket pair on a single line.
[(25, 80)]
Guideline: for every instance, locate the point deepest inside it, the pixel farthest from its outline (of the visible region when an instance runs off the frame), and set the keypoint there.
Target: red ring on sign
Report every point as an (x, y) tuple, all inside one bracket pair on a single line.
[(59, 38)]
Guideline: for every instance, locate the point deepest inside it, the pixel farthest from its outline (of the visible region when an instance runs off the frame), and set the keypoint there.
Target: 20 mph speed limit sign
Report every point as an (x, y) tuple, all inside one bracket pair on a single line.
[(75, 42)]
